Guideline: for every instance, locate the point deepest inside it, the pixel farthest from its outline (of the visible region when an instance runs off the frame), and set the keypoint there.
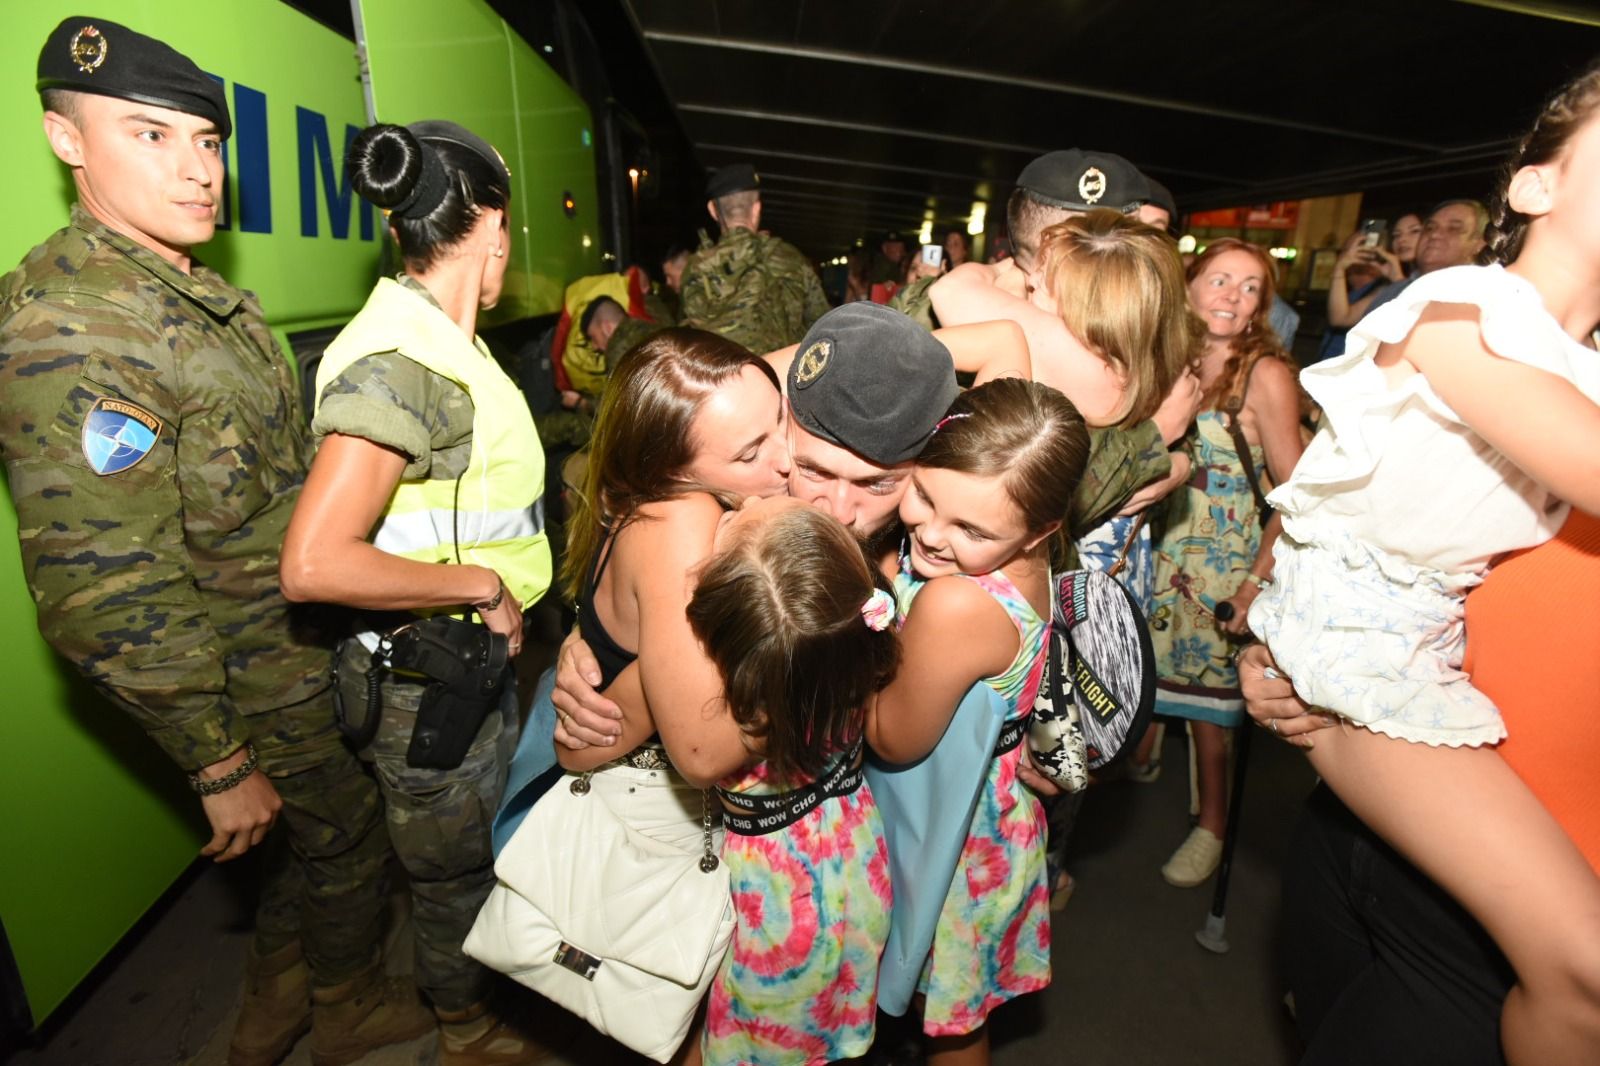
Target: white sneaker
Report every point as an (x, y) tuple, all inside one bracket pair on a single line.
[(1195, 860)]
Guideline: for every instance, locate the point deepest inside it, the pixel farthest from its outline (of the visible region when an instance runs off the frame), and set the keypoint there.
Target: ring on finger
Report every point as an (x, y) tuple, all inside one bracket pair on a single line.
[(1273, 725)]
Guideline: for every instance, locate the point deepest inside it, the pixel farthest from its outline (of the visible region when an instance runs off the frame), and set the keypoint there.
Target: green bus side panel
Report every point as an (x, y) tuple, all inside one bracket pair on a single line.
[(98, 823), (462, 62)]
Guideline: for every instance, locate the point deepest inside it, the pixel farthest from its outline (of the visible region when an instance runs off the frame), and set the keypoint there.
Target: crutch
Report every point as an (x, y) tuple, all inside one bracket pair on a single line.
[(1213, 937)]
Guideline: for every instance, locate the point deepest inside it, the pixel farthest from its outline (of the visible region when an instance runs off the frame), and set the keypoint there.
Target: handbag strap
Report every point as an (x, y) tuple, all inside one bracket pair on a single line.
[(708, 859), (1231, 408), (1127, 545)]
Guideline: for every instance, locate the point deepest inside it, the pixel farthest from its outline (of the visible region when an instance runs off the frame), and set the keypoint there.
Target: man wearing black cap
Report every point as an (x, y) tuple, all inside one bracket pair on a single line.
[(866, 386), (750, 287), (1051, 189), (154, 447), (1158, 208)]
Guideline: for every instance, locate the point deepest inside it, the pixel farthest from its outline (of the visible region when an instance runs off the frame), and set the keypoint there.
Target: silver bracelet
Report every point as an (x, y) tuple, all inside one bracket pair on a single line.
[(232, 779)]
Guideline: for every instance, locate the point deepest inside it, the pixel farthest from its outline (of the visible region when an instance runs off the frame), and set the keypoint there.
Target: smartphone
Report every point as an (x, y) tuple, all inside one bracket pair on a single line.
[(1372, 232), (933, 255)]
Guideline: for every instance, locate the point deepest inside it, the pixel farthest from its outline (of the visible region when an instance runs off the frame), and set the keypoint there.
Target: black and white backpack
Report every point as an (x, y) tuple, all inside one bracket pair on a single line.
[(1099, 688)]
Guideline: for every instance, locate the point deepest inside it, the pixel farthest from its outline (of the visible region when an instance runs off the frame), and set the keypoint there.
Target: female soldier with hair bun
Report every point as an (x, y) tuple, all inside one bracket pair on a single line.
[(423, 500)]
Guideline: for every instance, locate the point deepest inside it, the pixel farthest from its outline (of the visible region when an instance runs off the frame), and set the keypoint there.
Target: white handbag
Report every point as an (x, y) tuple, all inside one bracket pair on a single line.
[(611, 901)]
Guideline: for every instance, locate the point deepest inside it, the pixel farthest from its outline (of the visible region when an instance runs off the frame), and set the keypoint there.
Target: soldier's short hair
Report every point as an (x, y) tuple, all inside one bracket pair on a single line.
[(601, 309), (737, 208), (1026, 218), (63, 102)]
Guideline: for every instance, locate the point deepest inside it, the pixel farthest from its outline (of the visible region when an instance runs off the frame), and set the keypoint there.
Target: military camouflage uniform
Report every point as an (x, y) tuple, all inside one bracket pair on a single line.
[(160, 581), (913, 302), (438, 819), (756, 290), (629, 334)]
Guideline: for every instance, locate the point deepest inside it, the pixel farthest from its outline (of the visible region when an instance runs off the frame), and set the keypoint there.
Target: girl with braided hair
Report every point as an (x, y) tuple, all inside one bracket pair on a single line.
[(1460, 425)]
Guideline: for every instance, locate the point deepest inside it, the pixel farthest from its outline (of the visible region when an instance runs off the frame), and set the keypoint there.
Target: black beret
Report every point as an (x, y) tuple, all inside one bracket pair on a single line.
[(1161, 196), (871, 380), (735, 177), (1081, 181), (95, 55)]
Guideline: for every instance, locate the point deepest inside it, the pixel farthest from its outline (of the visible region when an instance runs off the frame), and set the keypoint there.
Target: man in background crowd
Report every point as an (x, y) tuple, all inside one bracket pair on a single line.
[(754, 289)]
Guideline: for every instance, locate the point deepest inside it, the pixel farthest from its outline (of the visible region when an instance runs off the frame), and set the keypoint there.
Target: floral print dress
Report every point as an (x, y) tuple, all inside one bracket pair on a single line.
[(992, 942), (811, 906), (1210, 539)]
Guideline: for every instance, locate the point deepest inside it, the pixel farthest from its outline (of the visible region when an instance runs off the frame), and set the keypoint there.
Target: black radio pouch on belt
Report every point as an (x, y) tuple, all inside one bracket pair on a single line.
[(464, 667)]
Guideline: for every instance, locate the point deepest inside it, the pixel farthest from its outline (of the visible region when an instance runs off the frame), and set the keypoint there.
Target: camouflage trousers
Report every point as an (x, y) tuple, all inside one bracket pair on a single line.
[(328, 891), (439, 822)]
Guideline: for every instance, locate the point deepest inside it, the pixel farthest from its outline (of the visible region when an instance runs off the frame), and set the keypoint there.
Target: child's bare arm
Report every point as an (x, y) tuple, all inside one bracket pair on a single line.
[(988, 350), (955, 635), (968, 294), (1534, 418)]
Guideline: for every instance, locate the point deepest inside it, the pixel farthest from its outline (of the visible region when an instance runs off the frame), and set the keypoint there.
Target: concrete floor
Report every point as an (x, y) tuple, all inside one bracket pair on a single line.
[(1131, 986)]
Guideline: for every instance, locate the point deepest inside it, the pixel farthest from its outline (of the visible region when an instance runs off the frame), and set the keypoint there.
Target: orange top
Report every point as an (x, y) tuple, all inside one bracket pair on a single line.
[(1533, 646)]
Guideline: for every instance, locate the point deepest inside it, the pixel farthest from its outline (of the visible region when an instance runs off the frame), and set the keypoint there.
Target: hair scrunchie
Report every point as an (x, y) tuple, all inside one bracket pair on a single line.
[(432, 186), (878, 611)]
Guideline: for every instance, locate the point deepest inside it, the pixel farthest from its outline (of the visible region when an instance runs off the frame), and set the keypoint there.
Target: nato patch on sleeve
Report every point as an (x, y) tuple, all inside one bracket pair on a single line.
[(117, 434)]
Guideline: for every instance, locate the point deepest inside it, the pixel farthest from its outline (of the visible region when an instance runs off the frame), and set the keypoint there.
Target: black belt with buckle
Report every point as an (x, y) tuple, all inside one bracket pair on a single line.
[(755, 816)]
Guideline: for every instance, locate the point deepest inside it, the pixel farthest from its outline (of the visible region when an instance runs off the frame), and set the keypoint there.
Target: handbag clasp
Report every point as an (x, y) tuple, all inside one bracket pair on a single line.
[(578, 961)]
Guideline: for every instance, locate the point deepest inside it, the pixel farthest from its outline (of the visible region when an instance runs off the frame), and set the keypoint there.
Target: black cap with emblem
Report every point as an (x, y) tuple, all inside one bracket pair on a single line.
[(1081, 181), (735, 177), (871, 380), (95, 55), (1161, 196)]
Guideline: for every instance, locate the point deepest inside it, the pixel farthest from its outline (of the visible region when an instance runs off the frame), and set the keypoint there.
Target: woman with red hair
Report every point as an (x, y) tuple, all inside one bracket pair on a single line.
[(1216, 547)]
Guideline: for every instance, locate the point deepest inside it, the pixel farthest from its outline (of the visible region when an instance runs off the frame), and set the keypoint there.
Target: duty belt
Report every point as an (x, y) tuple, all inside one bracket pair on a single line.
[(1012, 732), (759, 815)]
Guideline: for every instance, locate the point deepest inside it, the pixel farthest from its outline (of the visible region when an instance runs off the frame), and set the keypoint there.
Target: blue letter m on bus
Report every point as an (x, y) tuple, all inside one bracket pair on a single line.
[(316, 157)]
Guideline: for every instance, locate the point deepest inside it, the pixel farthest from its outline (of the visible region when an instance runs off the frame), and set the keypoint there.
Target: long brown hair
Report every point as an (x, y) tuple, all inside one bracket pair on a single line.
[(642, 439), (1563, 115), (779, 612), (1025, 433), (1258, 341), (1119, 288)]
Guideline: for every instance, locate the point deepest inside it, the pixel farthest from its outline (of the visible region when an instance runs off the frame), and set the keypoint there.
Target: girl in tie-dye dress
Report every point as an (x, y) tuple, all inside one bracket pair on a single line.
[(987, 493), (798, 625)]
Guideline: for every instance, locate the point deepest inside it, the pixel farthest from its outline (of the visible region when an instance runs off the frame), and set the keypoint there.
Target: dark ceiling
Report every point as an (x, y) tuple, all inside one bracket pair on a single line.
[(865, 114)]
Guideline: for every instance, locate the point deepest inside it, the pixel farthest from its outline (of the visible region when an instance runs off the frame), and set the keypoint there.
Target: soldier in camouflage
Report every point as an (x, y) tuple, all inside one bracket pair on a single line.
[(613, 331), (154, 448), (754, 289), (423, 499)]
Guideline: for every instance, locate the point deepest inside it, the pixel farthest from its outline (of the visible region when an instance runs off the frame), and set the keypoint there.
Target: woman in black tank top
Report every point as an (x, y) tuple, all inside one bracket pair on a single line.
[(690, 423)]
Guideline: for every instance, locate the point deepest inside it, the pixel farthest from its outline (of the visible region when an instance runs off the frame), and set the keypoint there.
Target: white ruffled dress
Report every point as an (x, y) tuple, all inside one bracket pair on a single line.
[(1396, 509)]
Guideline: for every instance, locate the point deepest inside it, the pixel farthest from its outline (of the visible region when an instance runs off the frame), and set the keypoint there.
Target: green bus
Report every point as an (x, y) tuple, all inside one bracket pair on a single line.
[(98, 824)]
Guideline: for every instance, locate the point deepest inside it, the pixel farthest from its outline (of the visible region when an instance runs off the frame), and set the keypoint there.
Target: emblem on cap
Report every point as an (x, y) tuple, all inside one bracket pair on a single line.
[(1092, 185), (88, 49), (812, 362)]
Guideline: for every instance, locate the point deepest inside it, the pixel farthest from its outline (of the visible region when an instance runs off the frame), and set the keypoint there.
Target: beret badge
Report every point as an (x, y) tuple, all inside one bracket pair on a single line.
[(1092, 185), (813, 361), (88, 49)]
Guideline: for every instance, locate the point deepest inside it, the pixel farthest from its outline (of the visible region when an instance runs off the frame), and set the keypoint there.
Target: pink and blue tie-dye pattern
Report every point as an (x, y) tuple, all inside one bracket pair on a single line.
[(992, 943), (799, 985)]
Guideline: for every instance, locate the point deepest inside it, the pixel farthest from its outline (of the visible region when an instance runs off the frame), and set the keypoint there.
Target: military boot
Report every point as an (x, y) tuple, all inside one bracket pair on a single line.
[(477, 1036), (277, 1007), (366, 1012)]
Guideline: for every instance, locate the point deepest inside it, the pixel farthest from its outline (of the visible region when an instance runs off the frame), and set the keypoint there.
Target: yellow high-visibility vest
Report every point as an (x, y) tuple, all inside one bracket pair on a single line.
[(500, 521)]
